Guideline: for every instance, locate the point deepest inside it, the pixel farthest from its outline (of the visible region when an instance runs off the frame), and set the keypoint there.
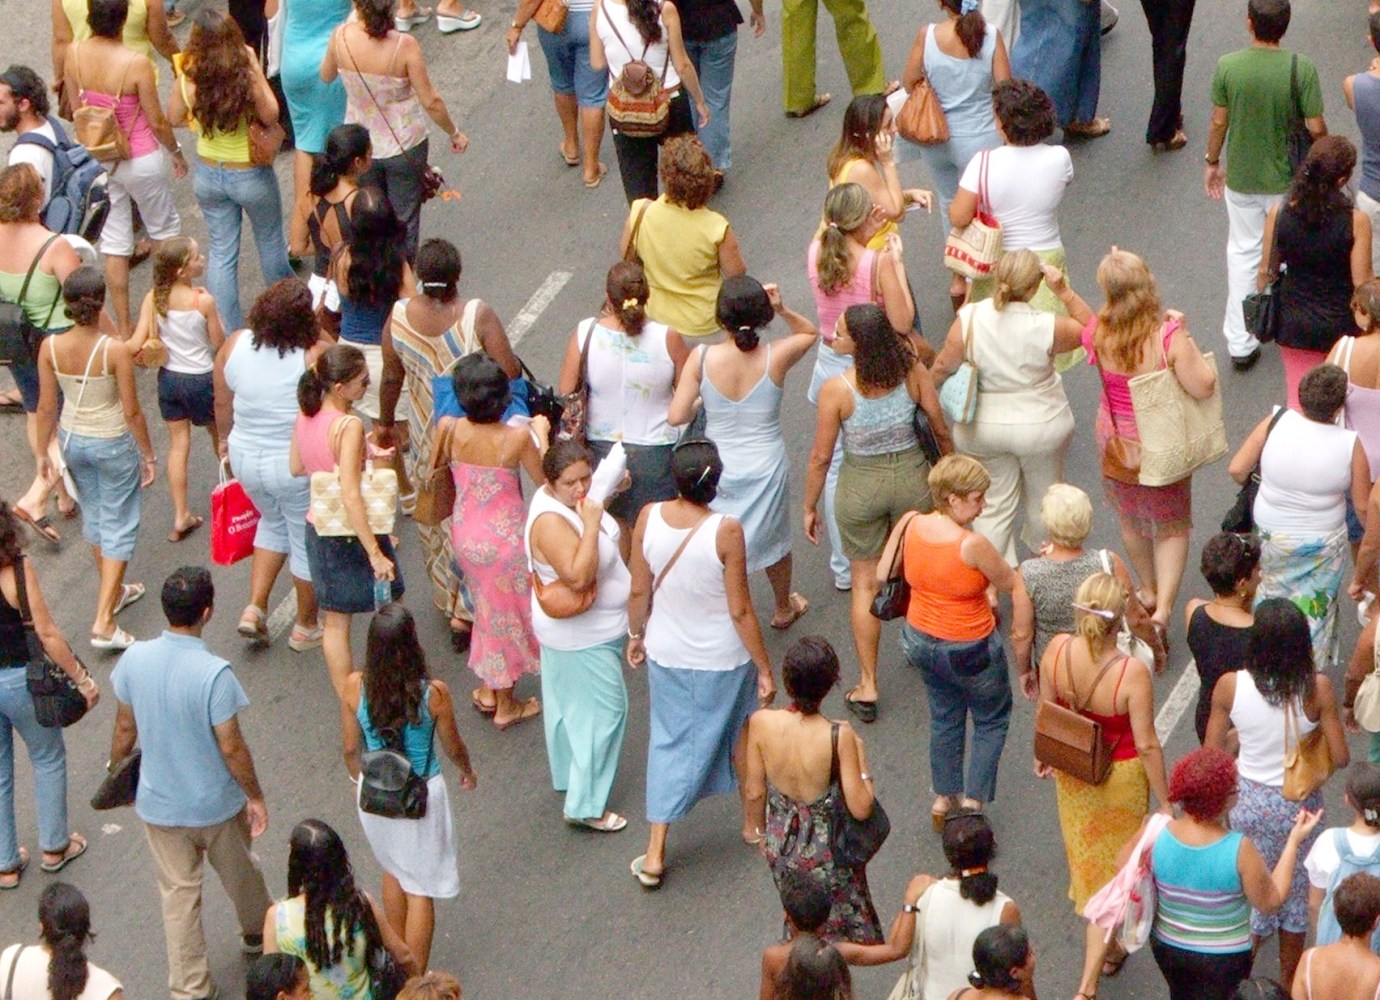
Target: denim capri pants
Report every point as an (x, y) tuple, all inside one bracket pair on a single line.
[(567, 61), (282, 499), (106, 471)]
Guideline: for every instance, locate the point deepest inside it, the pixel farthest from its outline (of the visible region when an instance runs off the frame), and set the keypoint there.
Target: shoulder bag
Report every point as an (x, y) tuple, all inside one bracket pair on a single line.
[(1065, 738), (378, 488), (958, 396), (1178, 434), (436, 488), (675, 556), (1126, 640), (559, 599), (973, 251), (1307, 760), (921, 119), (550, 16), (18, 336), (57, 702), (1241, 518), (853, 842), (1120, 455), (19, 950), (575, 403), (639, 104), (1125, 907), (1366, 705), (631, 253), (96, 127), (121, 783), (893, 597), (1261, 309), (388, 786), (1298, 139)]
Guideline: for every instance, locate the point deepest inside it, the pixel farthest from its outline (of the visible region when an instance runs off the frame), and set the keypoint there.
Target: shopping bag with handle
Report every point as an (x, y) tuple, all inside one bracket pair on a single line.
[(234, 519)]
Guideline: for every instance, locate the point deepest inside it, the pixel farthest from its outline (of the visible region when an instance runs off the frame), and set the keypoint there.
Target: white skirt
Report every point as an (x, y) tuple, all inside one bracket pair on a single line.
[(419, 853)]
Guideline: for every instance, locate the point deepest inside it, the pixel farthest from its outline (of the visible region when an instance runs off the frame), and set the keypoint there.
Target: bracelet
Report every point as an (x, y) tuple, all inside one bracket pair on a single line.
[(636, 636), (88, 679), (864, 776), (910, 908)]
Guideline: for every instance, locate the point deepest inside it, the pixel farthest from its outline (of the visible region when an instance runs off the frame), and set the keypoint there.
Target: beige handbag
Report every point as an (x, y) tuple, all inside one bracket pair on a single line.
[(1307, 759), (1366, 706), (95, 126), (1178, 434), (378, 487)]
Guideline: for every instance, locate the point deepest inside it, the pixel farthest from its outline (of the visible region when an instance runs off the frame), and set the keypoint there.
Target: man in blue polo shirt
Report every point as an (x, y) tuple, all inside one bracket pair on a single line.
[(198, 794)]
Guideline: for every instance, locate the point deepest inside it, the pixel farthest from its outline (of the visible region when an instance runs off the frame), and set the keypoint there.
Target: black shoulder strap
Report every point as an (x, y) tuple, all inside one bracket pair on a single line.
[(834, 755), (33, 266), (26, 616)]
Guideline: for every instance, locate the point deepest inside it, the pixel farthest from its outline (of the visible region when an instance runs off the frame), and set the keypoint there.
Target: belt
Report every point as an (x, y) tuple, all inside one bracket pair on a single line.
[(226, 164)]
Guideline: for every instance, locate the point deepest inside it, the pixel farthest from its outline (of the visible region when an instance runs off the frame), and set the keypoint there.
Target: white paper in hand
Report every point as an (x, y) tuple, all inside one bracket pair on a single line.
[(519, 64), (608, 474)]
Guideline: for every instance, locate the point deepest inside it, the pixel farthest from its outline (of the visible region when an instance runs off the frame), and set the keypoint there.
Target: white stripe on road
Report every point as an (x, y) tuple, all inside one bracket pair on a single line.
[(1184, 694), (285, 614)]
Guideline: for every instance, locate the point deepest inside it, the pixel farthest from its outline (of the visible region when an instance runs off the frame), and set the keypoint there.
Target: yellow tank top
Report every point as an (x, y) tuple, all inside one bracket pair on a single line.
[(221, 147), (878, 241), (680, 253), (136, 34)]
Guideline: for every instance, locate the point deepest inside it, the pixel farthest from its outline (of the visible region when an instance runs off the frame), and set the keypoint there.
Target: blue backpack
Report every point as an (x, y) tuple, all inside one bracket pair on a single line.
[(1329, 931), (79, 202)]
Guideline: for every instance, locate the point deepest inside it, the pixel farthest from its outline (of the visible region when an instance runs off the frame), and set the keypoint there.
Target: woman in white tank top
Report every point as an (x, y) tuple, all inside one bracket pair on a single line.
[(1273, 703), (691, 620)]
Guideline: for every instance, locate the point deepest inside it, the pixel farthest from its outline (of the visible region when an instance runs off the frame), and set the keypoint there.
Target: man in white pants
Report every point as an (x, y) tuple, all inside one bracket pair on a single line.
[(1252, 107)]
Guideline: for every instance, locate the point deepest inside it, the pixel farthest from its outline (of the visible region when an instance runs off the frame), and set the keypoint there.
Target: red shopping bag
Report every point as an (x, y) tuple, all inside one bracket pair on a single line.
[(234, 519)]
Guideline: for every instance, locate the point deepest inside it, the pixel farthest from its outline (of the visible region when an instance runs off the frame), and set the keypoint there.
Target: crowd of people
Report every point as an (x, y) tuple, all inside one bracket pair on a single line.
[(658, 481)]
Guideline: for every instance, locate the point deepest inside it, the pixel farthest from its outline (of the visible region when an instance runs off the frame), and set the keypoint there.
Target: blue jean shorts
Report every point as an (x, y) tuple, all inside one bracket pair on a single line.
[(183, 396), (567, 62), (106, 471)]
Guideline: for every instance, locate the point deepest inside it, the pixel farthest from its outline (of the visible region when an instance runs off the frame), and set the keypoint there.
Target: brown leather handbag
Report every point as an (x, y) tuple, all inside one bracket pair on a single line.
[(921, 119), (550, 16), (1069, 741), (560, 600), (436, 489), (1120, 455)]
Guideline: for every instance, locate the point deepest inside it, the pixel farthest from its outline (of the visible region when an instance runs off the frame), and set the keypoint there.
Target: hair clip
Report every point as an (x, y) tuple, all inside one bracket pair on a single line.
[(704, 475), (1371, 815), (832, 225), (968, 6), (436, 284), (970, 872), (629, 302), (1102, 613)]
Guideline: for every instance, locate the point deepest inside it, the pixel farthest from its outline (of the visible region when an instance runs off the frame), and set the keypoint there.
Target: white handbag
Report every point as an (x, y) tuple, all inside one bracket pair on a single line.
[(1366, 707), (378, 487)]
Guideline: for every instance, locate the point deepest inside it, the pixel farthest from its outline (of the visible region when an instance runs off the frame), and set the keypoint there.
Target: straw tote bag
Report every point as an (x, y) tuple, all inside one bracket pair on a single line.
[(1178, 434)]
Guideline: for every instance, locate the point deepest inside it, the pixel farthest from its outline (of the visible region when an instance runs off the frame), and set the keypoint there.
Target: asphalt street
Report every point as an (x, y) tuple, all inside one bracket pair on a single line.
[(547, 910)]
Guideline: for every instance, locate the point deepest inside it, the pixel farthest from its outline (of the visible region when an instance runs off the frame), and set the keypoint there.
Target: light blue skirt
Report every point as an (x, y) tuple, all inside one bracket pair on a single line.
[(585, 711), (697, 718)]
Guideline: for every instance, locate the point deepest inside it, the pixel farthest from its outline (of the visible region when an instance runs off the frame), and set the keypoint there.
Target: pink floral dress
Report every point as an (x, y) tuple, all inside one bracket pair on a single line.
[(486, 532)]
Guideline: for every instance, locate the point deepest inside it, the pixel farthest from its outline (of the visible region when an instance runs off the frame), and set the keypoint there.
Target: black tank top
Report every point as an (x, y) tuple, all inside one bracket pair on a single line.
[(14, 645), (1217, 649), (342, 222)]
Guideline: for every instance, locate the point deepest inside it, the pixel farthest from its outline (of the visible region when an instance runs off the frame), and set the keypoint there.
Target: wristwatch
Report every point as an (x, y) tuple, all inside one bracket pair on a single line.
[(1207, 158), (910, 908)]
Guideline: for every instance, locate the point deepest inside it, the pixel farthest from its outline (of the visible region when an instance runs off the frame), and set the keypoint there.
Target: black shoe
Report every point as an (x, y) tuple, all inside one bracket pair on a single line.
[(1246, 362)]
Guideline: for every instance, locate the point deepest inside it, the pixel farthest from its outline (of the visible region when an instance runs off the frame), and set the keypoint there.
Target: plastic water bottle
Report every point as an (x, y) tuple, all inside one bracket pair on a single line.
[(383, 593)]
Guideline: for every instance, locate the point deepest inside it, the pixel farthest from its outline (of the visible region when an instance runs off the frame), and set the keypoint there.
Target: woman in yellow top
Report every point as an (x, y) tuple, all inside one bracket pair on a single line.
[(687, 249), (146, 29), (220, 89), (864, 156)]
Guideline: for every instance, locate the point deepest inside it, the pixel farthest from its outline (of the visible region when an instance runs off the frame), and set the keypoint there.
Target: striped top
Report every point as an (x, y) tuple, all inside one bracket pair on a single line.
[(1201, 905), (880, 426)]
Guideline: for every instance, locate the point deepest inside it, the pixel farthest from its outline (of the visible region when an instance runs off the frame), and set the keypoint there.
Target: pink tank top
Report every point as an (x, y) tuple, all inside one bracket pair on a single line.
[(314, 439), (130, 114), (1116, 388), (829, 306)]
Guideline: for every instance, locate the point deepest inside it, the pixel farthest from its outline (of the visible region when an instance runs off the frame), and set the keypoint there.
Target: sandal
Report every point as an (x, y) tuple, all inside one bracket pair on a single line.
[(1092, 129), (117, 640), (866, 711), (798, 607), (820, 101), (610, 822), (531, 708), (251, 624), (302, 639), (600, 170), (480, 705), (448, 25), (69, 512), (16, 873), (406, 22), (39, 524), (937, 815), (649, 880), (76, 847), (129, 593), (570, 160)]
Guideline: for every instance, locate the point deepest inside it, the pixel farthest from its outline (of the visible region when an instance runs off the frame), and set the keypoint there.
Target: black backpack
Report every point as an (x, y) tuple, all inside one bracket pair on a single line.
[(78, 202)]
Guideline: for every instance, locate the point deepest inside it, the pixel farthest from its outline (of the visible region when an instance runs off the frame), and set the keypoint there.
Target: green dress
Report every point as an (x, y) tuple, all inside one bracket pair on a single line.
[(347, 979)]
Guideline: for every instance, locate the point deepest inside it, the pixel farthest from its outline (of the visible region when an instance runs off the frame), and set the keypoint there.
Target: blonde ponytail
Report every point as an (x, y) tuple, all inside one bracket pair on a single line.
[(1097, 609)]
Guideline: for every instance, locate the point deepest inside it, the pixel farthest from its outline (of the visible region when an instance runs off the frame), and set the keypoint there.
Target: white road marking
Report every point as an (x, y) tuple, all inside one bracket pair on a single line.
[(285, 614), (1185, 693)]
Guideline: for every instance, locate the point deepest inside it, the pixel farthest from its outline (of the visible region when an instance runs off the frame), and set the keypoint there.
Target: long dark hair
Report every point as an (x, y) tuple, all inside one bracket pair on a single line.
[(1316, 192), (377, 253), (11, 541), (969, 847), (971, 28), (1280, 653), (64, 924), (319, 869), (344, 145), (645, 16), (882, 358), (394, 669), (217, 62)]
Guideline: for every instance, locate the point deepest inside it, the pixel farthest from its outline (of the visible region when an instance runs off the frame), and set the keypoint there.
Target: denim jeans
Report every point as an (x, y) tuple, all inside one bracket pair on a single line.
[(713, 62), (47, 755), (962, 679), (400, 179), (223, 194), (106, 473), (1060, 48)]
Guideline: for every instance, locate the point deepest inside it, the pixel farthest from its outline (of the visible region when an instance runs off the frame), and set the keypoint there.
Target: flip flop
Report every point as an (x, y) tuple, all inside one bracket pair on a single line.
[(42, 525), (1089, 129), (820, 101), (570, 161), (480, 706), (117, 640), (129, 593), (598, 176), (866, 711), (608, 823), (17, 872), (177, 534), (648, 880), (142, 252), (798, 607), (68, 513), (531, 708), (74, 840)]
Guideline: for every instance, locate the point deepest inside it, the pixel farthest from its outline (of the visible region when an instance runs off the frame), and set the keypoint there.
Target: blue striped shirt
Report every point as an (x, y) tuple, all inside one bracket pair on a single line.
[(1201, 905)]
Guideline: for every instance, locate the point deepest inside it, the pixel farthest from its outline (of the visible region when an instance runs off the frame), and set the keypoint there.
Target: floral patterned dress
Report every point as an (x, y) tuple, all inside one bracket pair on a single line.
[(797, 841), (486, 532)]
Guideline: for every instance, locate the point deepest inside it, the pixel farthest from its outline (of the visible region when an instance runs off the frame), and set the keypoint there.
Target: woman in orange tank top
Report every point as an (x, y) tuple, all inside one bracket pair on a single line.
[(950, 634)]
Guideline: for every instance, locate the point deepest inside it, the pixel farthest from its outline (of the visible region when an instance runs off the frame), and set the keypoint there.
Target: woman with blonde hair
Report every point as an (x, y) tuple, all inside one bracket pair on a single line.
[(844, 270), (1024, 422), (431, 985), (1135, 335), (1086, 672)]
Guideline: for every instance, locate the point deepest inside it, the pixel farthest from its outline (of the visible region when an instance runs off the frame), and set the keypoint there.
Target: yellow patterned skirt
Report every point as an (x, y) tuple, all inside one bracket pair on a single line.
[(1097, 820)]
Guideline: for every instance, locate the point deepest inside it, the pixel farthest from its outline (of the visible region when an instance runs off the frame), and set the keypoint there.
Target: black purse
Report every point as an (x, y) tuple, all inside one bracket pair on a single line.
[(57, 702), (386, 976), (1240, 519), (924, 434), (542, 400), (120, 785), (1297, 137), (852, 841), (18, 336), (893, 597), (387, 784)]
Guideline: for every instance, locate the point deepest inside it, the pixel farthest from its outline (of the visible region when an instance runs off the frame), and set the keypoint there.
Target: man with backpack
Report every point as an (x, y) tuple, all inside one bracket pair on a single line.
[(74, 183)]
